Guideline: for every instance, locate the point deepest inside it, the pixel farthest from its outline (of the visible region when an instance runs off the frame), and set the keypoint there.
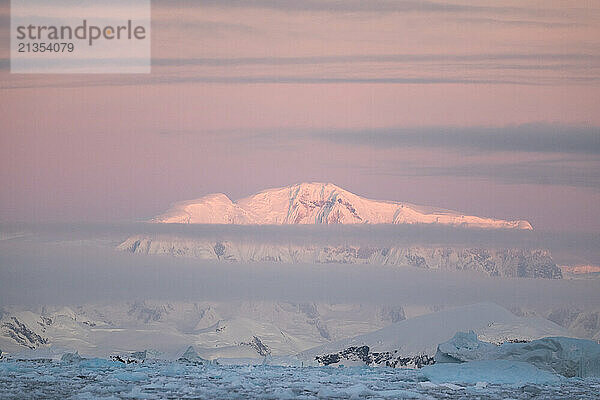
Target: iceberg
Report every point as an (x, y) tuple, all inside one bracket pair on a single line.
[(192, 356), (501, 372), (71, 357), (569, 357)]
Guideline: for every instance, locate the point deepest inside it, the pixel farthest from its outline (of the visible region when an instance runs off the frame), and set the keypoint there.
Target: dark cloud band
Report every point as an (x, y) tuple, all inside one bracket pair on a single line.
[(546, 138)]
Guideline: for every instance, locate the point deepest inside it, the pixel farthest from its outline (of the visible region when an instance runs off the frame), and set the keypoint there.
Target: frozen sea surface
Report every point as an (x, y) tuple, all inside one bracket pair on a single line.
[(97, 378)]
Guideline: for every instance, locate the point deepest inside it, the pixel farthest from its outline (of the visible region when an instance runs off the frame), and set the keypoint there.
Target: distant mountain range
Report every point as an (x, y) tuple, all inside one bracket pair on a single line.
[(318, 203), (513, 263)]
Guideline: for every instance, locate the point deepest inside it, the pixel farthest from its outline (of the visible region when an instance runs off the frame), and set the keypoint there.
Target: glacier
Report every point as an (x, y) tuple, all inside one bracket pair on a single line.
[(214, 330)]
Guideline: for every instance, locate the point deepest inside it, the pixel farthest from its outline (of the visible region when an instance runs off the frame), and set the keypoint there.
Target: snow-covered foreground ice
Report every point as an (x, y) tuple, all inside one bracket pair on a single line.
[(97, 378)]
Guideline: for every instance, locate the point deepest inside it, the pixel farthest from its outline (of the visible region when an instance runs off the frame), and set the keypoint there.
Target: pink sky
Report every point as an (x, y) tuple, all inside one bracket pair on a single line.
[(274, 93)]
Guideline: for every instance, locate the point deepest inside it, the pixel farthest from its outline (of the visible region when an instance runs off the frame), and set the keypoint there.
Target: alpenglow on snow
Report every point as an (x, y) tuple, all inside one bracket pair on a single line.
[(318, 203)]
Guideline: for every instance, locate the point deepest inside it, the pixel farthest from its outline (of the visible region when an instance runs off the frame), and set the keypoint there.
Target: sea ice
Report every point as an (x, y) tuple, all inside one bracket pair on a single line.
[(154, 379)]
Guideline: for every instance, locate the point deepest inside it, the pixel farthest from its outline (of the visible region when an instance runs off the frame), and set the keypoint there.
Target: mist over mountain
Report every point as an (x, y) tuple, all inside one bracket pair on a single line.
[(327, 204), (498, 262)]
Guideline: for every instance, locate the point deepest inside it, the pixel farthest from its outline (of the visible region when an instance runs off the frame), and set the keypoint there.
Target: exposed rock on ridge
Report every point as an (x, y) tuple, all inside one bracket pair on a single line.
[(494, 262)]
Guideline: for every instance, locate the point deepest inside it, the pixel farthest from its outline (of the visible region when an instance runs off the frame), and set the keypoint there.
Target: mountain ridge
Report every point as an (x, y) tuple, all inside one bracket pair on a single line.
[(517, 263), (318, 203)]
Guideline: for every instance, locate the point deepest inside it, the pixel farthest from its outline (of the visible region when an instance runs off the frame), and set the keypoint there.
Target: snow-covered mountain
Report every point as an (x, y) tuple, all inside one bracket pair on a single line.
[(494, 262), (293, 334), (245, 331), (318, 203), (238, 330), (414, 341)]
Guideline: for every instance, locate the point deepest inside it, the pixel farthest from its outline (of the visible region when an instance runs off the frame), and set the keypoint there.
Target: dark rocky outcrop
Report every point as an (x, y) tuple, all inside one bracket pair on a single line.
[(21, 334), (363, 354)]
